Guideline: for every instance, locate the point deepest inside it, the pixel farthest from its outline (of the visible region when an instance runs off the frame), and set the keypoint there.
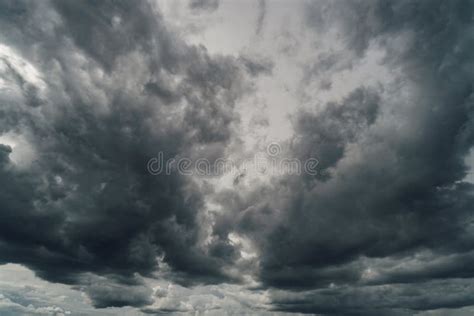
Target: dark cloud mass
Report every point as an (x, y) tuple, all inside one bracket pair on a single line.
[(394, 168), (120, 87), (96, 88)]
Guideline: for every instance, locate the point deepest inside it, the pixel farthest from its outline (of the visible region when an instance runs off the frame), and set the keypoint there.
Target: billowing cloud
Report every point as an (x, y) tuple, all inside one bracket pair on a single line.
[(103, 88), (393, 165), (379, 92)]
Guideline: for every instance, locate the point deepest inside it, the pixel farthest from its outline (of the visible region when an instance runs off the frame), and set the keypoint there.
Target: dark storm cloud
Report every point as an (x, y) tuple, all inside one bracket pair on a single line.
[(327, 134), (119, 87), (393, 164), (104, 31), (29, 91), (395, 299), (106, 293), (384, 228)]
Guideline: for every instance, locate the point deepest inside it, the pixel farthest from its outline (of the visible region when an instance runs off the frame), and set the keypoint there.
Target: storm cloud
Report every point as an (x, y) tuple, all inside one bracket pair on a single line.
[(116, 87), (379, 92)]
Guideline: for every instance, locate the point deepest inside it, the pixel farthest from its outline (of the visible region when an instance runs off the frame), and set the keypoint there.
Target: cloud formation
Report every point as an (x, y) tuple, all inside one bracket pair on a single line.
[(395, 164), (90, 91), (104, 87)]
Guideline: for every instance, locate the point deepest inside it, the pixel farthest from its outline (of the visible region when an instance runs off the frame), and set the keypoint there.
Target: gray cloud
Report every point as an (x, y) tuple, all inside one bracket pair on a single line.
[(393, 169), (207, 5), (256, 65), (106, 293), (119, 88), (96, 89), (262, 10), (398, 299)]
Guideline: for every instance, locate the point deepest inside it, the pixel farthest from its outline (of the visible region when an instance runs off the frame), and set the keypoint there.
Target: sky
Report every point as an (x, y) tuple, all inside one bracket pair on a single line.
[(347, 128)]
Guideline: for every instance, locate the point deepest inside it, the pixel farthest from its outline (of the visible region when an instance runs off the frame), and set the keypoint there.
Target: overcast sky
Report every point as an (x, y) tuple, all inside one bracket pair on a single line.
[(378, 93)]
